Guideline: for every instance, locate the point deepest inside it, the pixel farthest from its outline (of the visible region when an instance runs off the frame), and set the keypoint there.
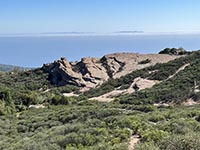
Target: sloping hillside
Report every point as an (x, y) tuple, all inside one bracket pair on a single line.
[(172, 82), (154, 108)]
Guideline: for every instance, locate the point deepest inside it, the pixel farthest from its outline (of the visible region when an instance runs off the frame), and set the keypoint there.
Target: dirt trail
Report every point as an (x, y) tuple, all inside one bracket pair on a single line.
[(47, 90), (180, 69), (108, 97), (190, 102), (70, 94), (141, 83), (102, 99), (133, 141)]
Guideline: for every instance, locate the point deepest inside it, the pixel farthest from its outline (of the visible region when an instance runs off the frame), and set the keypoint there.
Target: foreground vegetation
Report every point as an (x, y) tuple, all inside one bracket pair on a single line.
[(92, 125)]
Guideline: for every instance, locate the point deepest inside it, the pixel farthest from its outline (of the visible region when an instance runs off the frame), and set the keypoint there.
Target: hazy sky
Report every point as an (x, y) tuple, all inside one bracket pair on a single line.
[(102, 16), (33, 17)]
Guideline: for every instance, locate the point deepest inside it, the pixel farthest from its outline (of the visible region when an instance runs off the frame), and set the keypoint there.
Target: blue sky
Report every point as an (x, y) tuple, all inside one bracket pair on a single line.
[(102, 16)]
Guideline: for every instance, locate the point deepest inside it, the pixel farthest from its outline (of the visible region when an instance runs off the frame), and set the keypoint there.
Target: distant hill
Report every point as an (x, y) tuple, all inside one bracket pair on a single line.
[(8, 68)]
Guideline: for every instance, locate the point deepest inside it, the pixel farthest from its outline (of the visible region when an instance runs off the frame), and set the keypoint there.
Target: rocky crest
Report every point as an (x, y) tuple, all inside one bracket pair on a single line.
[(91, 72)]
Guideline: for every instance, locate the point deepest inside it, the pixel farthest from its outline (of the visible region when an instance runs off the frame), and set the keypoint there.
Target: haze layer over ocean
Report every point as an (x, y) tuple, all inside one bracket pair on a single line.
[(34, 51)]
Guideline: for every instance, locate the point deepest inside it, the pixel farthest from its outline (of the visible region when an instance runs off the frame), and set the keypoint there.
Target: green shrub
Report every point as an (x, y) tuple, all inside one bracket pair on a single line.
[(146, 146), (190, 141), (146, 61), (153, 135)]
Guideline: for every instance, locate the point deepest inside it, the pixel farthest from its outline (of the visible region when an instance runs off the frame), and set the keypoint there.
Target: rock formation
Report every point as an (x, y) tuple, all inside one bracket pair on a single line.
[(91, 72)]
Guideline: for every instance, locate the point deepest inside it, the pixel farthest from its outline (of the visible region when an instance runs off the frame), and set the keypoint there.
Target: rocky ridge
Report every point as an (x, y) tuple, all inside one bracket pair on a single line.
[(91, 72)]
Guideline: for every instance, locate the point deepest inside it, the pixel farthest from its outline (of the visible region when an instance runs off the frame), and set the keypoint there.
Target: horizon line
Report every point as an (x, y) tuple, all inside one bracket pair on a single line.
[(77, 33)]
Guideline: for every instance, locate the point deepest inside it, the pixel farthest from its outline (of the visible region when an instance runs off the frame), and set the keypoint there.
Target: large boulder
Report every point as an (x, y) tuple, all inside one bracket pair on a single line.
[(61, 73)]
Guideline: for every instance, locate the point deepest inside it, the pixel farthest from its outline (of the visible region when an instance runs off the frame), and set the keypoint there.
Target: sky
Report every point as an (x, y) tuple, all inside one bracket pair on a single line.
[(33, 32), (98, 16)]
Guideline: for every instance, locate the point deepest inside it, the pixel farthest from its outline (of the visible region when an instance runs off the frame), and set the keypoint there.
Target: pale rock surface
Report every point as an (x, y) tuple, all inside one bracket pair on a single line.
[(91, 72)]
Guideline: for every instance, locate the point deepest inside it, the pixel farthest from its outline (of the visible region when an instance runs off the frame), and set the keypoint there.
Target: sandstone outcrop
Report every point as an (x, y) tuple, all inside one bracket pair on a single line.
[(61, 73), (91, 72)]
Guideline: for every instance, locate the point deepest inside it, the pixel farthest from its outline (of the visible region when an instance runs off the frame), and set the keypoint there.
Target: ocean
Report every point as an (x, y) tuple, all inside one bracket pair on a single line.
[(34, 51)]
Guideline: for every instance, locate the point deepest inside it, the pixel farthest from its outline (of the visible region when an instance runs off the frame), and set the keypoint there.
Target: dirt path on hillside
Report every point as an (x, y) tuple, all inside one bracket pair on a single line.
[(133, 141), (180, 69), (141, 83), (108, 97), (190, 102), (70, 94)]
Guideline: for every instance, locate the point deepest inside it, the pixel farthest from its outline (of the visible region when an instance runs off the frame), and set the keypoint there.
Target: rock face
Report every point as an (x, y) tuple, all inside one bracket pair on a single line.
[(61, 73), (91, 72)]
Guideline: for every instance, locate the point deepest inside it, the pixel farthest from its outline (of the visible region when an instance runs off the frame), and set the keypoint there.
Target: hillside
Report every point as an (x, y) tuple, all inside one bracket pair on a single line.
[(7, 68), (175, 82), (152, 104)]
